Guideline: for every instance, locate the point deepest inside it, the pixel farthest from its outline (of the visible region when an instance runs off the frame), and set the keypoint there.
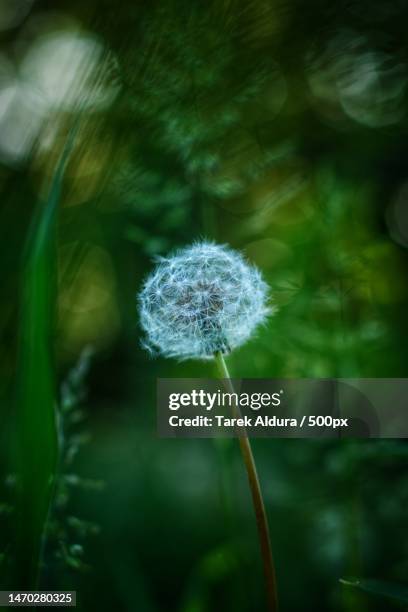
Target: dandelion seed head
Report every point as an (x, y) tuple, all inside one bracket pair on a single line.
[(203, 299)]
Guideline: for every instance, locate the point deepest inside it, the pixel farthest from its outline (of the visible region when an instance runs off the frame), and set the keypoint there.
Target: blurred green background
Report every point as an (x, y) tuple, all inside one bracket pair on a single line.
[(276, 126)]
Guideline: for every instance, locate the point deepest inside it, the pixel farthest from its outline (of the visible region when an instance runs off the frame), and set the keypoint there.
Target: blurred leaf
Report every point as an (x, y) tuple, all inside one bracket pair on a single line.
[(214, 569), (36, 435), (377, 587)]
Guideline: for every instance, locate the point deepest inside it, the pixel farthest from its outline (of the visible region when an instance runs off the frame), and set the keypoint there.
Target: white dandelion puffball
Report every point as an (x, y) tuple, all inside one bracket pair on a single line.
[(203, 299)]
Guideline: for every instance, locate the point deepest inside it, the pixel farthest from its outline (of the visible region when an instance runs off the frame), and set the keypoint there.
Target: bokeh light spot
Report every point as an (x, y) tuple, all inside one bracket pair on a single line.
[(67, 70)]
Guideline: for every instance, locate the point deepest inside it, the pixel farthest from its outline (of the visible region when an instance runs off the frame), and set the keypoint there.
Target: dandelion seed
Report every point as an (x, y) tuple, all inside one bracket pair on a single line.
[(202, 300)]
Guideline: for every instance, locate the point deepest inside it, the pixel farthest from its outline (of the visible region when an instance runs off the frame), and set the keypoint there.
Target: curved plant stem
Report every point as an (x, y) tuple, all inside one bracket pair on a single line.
[(257, 498)]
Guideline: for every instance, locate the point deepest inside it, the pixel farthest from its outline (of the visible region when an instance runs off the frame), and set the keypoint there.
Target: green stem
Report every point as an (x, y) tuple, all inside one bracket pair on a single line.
[(257, 498)]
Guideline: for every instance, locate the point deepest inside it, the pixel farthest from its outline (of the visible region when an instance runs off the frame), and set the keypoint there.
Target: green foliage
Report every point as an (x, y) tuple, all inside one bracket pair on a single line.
[(278, 128), (37, 439), (36, 442), (388, 590), (67, 535)]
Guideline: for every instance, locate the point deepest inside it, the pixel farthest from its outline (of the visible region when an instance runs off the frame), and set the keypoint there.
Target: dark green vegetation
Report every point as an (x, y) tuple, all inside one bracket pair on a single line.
[(279, 128)]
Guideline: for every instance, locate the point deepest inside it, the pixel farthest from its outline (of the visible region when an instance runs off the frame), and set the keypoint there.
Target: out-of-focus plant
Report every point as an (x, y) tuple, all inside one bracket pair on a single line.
[(394, 592), (36, 443), (66, 533)]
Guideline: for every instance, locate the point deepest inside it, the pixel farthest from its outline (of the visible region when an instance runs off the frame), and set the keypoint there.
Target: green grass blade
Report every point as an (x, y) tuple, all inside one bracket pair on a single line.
[(36, 427), (397, 592)]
